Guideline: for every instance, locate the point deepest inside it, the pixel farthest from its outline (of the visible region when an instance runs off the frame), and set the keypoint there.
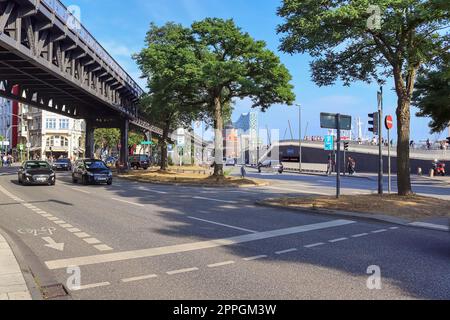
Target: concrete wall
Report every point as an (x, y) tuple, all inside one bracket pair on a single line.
[(364, 162)]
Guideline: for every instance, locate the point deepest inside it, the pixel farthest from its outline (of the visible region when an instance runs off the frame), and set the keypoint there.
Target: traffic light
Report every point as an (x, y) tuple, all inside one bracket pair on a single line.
[(346, 144), (375, 122)]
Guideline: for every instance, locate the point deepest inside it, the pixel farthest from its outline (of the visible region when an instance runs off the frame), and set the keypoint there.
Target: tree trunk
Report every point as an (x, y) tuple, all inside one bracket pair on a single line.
[(218, 139), (403, 161), (164, 165)]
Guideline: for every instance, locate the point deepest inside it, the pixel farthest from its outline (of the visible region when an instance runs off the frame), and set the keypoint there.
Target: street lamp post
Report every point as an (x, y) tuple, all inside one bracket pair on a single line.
[(300, 137)]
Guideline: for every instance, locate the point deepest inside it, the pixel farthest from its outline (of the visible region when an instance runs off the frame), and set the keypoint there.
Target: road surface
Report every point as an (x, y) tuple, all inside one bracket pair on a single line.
[(142, 241)]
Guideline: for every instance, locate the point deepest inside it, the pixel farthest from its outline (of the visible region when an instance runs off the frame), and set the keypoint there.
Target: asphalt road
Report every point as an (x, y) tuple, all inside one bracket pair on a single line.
[(142, 241)]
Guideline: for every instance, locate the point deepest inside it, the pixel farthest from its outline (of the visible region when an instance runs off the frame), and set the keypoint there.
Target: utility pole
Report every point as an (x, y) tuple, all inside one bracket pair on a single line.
[(380, 145), (300, 137), (338, 160)]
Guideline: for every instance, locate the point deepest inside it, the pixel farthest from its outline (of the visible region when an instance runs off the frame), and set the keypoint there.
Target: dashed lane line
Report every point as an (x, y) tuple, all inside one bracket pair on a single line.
[(187, 247), (309, 246), (360, 235), (379, 231), (263, 256), (286, 251), (223, 225), (141, 278), (129, 202), (91, 286), (174, 272), (337, 240), (221, 264)]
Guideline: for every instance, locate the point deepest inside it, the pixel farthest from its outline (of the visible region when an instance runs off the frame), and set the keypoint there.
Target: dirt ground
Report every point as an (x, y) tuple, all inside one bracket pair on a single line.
[(412, 207), (188, 177)]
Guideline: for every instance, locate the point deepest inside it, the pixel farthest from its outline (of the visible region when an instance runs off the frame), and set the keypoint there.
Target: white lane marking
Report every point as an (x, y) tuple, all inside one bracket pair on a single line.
[(152, 252), (263, 256), (150, 276), (171, 273), (379, 231), (103, 247), (66, 226), (224, 225), (60, 222), (314, 245), (128, 202), (221, 264), (337, 240), (53, 218), (80, 190), (91, 286), (82, 235), (394, 228), (215, 200), (152, 190), (301, 189), (92, 241), (429, 225), (360, 235), (73, 230), (286, 251), (47, 215)]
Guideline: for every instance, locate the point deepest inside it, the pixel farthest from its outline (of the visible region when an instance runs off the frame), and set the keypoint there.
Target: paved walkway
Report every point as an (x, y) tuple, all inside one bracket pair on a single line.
[(12, 282)]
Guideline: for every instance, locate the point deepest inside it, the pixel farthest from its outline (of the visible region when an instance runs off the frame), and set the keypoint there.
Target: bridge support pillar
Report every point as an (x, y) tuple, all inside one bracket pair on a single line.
[(124, 143), (89, 153)]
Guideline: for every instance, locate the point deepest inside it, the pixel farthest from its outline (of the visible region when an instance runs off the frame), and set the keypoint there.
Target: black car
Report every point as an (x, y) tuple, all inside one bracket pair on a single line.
[(36, 173), (91, 171), (62, 164), (139, 161)]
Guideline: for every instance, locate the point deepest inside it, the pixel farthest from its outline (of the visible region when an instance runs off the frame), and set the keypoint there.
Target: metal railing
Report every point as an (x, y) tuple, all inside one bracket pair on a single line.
[(61, 11)]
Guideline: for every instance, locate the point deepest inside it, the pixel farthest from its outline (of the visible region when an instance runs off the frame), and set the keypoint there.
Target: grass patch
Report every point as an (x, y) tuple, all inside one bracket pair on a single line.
[(412, 207), (195, 178)]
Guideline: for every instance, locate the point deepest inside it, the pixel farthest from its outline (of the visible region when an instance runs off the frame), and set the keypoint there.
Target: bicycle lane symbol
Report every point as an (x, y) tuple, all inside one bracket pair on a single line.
[(44, 231)]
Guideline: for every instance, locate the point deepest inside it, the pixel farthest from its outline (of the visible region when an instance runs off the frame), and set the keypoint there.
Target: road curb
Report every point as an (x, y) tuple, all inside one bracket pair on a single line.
[(361, 216)]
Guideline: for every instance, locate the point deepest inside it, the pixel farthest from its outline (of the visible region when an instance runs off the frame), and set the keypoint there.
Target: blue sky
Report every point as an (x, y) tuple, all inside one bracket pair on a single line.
[(120, 26)]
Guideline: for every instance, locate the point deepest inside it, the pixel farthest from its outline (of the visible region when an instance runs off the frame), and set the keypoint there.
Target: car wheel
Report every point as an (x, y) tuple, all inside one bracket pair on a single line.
[(84, 180), (109, 183)]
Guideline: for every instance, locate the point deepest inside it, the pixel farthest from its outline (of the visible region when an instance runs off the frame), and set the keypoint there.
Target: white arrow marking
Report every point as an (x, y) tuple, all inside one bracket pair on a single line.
[(52, 244)]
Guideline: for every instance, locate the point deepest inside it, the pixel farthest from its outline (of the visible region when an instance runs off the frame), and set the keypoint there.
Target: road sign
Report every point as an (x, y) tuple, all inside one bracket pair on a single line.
[(4, 143), (389, 122), (28, 145), (20, 146), (146, 143), (329, 143), (329, 121)]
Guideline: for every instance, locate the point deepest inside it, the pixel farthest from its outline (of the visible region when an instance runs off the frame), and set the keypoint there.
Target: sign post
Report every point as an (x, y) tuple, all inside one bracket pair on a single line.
[(338, 122), (389, 122), (380, 138)]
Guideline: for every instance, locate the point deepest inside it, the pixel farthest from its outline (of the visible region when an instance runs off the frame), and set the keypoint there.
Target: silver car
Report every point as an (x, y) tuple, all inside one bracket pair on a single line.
[(271, 166)]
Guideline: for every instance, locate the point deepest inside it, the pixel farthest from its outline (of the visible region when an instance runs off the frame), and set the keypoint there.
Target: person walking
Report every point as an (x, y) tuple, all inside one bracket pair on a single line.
[(243, 172), (331, 164)]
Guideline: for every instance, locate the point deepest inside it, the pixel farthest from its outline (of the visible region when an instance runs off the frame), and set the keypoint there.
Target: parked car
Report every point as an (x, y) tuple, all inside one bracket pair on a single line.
[(230, 162), (36, 173), (271, 166), (139, 161), (91, 171), (62, 164)]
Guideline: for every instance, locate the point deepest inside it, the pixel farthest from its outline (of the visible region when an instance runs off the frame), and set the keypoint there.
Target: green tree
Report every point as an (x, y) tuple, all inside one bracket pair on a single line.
[(432, 96), (170, 65), (106, 138), (370, 40), (234, 65)]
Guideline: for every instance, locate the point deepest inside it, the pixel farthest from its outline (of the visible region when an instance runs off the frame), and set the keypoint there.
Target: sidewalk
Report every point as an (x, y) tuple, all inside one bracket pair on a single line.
[(12, 282)]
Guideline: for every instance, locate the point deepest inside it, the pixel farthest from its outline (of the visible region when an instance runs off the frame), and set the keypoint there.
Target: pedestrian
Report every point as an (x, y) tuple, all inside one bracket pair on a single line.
[(330, 165), (243, 172), (351, 166)]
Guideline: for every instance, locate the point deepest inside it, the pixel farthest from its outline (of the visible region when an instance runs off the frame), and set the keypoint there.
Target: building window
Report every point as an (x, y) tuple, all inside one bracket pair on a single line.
[(64, 124), (50, 124), (57, 141)]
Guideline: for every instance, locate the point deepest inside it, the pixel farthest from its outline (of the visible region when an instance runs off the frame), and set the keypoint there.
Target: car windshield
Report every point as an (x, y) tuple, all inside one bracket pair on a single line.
[(95, 165), (36, 165)]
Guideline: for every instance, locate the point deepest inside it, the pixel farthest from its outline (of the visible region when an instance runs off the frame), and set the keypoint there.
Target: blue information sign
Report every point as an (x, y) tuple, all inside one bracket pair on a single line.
[(329, 143)]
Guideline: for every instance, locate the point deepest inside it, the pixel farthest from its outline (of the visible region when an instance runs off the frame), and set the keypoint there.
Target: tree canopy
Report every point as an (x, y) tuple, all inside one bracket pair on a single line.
[(368, 41), (432, 96)]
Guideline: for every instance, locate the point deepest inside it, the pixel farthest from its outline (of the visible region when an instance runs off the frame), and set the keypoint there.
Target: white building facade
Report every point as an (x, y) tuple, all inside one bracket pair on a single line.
[(52, 136), (5, 119)]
